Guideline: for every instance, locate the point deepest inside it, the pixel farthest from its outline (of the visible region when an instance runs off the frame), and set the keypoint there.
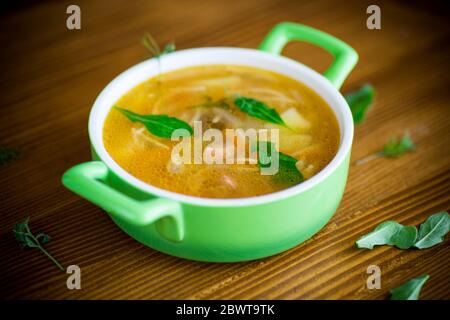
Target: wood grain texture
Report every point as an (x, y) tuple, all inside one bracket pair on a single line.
[(51, 76)]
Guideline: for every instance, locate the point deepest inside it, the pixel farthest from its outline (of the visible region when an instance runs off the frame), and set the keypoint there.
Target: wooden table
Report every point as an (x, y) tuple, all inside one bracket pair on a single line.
[(51, 76)]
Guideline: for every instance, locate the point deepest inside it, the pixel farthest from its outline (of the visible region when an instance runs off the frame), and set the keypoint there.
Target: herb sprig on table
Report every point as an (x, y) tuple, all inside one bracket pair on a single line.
[(430, 233), (27, 239), (392, 149)]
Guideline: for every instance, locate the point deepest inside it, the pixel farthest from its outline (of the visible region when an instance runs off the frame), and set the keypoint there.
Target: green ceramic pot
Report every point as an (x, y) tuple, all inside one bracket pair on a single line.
[(222, 230)]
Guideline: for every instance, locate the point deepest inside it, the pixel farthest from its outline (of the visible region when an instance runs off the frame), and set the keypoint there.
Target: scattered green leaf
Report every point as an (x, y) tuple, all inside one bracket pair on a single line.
[(404, 238), (394, 148), (360, 101), (390, 233), (160, 125), (381, 235), (258, 109), (409, 290), (27, 239), (8, 154), (433, 230)]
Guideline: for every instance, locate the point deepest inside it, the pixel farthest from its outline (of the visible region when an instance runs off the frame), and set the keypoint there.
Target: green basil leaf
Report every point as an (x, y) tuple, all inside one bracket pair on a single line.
[(404, 238), (258, 109), (288, 173), (409, 290), (360, 101), (394, 148), (390, 233), (159, 125), (381, 235), (433, 230)]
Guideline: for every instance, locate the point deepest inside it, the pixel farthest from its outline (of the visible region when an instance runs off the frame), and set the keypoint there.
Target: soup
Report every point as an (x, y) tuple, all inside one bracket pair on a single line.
[(307, 128)]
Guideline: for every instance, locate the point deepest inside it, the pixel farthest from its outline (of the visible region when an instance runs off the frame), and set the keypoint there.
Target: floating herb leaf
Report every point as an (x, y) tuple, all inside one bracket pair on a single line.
[(409, 290), (210, 103), (390, 233), (258, 109), (394, 148), (391, 149), (27, 239), (360, 101), (7, 155), (287, 170), (160, 125), (433, 230), (153, 48)]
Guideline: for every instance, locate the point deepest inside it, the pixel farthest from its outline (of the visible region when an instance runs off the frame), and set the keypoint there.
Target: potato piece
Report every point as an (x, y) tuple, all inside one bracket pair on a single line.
[(295, 120), (293, 142), (300, 164), (307, 170), (289, 141)]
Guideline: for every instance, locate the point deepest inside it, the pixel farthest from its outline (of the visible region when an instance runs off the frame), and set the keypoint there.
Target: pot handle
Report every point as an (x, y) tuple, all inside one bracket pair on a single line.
[(345, 57), (89, 180)]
